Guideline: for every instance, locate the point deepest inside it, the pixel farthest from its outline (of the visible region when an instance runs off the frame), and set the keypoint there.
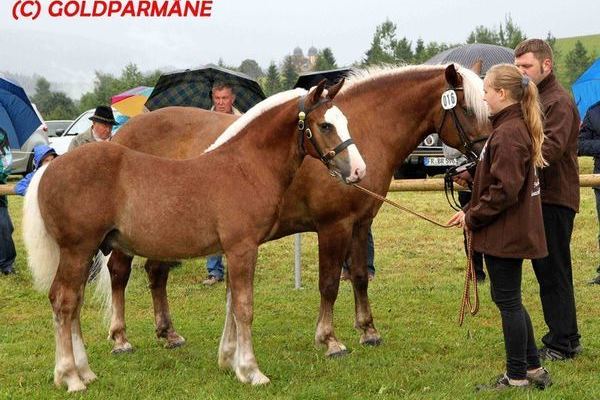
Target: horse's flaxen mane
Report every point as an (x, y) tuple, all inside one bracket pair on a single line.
[(254, 112), (473, 84)]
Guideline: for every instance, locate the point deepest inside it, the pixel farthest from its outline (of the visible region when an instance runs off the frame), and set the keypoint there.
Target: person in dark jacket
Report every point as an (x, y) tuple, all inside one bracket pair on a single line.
[(589, 145), (504, 215), (560, 201)]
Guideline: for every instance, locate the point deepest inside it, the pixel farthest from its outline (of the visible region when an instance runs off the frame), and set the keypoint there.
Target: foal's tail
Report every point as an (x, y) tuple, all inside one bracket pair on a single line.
[(43, 252)]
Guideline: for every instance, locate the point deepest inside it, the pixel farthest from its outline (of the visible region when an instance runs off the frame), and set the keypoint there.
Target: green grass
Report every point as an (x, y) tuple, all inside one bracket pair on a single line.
[(415, 298), (590, 42)]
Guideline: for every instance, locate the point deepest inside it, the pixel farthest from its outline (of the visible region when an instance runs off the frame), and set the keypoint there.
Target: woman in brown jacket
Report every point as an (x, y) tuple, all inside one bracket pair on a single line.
[(505, 214)]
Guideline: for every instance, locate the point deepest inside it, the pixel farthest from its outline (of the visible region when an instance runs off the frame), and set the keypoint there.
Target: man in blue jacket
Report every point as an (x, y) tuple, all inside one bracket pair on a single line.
[(589, 145)]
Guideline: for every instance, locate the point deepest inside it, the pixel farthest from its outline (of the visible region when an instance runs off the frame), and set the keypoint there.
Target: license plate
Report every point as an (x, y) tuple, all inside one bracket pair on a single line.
[(439, 162)]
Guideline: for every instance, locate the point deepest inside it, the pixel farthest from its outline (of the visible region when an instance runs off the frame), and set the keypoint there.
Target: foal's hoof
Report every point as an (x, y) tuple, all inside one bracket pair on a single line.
[(338, 354), (374, 341), (175, 343), (122, 349)]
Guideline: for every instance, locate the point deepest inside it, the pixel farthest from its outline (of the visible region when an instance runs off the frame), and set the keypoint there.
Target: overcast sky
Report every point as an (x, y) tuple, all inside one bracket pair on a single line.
[(71, 49)]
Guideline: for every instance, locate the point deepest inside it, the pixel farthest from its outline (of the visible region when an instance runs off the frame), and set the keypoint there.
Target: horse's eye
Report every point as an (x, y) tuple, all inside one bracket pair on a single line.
[(326, 126)]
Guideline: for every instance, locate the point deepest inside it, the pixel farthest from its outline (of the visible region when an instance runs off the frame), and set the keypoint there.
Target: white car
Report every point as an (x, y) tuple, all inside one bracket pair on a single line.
[(81, 124)]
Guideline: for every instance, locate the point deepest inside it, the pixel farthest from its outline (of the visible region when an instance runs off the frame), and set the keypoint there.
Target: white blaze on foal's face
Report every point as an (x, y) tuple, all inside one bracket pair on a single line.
[(358, 168)]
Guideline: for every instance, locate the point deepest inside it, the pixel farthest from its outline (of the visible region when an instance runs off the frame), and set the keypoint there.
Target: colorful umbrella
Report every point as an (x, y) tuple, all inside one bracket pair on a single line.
[(131, 102), (192, 88), (17, 116)]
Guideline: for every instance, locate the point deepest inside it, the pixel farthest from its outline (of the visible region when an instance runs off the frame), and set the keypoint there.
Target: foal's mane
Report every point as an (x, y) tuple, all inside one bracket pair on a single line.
[(256, 111), (472, 84)]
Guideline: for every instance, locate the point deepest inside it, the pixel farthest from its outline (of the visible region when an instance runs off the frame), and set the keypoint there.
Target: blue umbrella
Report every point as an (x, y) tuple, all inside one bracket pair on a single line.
[(17, 116), (586, 89)]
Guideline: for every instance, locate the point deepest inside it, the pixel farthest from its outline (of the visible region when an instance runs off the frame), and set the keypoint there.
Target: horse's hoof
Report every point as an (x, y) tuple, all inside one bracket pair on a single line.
[(260, 379), (88, 376), (126, 348), (338, 354), (173, 344), (75, 385), (372, 341)]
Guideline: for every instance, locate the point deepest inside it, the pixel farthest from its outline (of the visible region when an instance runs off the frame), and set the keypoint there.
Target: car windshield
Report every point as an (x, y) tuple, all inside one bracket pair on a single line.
[(54, 125)]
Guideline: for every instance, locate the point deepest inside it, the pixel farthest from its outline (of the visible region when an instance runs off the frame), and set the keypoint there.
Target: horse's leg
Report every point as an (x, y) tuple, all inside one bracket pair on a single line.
[(158, 274), (360, 282), (66, 297), (81, 360), (119, 266), (229, 337), (334, 242), (241, 261)]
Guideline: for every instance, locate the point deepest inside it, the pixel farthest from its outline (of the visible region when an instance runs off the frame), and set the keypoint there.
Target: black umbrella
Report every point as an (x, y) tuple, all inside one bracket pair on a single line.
[(469, 54), (310, 79), (192, 87)]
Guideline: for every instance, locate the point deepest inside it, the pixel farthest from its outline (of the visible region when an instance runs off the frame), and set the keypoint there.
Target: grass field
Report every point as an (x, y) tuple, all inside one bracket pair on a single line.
[(415, 298)]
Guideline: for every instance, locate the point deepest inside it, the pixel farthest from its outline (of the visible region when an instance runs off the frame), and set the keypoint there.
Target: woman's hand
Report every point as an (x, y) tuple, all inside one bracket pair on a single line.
[(457, 220)]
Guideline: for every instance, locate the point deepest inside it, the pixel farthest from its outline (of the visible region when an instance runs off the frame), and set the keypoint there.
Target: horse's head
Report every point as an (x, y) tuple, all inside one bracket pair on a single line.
[(326, 128), (463, 115)]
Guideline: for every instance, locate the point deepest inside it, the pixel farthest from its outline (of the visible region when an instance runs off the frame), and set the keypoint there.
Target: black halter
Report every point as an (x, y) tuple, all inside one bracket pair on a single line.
[(305, 132), (468, 144)]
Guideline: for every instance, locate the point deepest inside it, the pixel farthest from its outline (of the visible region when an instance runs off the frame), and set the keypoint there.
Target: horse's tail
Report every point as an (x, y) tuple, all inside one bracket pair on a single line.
[(43, 253), (103, 292)]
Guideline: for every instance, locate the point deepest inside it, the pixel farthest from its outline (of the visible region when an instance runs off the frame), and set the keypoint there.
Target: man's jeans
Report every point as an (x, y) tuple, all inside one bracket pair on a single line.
[(7, 246)]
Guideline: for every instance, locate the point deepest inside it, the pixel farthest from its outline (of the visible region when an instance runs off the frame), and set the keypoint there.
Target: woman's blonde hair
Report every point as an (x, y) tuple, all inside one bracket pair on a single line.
[(522, 89)]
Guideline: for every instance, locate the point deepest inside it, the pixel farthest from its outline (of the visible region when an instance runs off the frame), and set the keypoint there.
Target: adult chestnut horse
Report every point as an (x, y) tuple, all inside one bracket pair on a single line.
[(389, 111), (98, 196)]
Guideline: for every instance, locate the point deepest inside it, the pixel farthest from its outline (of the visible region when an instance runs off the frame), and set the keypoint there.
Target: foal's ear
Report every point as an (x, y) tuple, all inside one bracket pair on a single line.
[(333, 90), (452, 76), (315, 95), (477, 65)]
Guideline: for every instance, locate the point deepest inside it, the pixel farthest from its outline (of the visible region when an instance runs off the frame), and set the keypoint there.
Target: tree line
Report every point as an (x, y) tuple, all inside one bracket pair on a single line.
[(386, 48)]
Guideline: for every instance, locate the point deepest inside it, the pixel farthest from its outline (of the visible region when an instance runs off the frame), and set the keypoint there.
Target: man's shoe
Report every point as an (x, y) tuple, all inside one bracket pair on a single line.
[(540, 378), (500, 383), (9, 270), (548, 354), (595, 281), (211, 280)]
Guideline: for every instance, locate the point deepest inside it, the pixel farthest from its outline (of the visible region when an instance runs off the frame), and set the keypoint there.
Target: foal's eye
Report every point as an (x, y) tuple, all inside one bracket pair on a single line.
[(326, 126)]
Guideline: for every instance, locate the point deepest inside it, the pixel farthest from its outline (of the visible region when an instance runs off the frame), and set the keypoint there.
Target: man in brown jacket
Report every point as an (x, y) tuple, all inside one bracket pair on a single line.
[(560, 200)]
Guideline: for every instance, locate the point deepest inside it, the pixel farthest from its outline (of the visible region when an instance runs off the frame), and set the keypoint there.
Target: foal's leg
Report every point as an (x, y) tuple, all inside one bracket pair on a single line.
[(119, 266), (81, 360), (360, 282), (158, 274), (66, 297), (334, 242), (241, 261), (228, 343)]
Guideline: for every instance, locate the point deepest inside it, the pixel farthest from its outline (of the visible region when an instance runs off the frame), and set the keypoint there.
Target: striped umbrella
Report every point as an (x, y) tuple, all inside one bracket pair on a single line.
[(469, 54), (192, 88)]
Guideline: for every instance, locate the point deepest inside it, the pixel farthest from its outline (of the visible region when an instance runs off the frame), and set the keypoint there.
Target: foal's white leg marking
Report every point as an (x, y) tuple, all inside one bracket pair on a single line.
[(81, 360), (64, 369), (358, 167), (246, 367), (228, 338)]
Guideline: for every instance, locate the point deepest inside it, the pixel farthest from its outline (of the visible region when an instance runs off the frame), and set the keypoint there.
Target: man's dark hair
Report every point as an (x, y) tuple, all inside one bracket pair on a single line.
[(540, 49)]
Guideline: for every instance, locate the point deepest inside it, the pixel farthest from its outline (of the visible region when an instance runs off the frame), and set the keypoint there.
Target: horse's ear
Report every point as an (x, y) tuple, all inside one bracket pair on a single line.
[(332, 91), (315, 94), (452, 76), (477, 65)]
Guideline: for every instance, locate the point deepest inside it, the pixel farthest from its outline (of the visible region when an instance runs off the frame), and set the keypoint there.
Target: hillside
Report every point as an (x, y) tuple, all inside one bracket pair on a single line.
[(564, 45)]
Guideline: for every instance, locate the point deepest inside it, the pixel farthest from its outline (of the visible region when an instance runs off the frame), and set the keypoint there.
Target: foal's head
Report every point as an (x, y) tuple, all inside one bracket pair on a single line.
[(464, 118), (325, 128)]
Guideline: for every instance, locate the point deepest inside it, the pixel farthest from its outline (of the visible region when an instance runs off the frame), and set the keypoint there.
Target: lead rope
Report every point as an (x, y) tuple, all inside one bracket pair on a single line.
[(470, 276)]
